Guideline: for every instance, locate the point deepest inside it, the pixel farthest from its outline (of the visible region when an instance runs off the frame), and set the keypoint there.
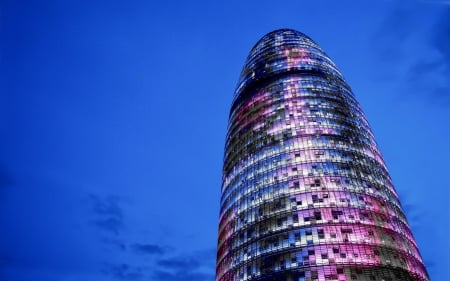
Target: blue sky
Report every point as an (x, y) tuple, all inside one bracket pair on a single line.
[(113, 117)]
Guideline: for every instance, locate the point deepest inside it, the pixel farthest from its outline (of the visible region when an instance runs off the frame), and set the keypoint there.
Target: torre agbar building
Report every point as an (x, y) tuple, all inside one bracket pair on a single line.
[(306, 194)]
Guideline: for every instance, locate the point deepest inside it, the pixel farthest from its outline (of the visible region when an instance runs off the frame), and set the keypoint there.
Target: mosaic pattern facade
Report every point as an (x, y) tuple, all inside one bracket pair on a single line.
[(306, 194)]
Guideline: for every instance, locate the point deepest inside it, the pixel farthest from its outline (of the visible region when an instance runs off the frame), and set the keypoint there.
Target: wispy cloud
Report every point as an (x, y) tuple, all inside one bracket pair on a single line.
[(144, 260), (416, 54), (107, 213), (182, 276), (124, 272), (150, 249), (196, 266), (412, 212), (431, 72)]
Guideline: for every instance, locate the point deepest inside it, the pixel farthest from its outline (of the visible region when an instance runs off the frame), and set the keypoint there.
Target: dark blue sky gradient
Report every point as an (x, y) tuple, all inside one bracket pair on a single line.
[(113, 117)]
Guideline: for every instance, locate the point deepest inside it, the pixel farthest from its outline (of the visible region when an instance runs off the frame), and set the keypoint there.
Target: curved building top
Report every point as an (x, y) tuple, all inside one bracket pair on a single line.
[(284, 51)]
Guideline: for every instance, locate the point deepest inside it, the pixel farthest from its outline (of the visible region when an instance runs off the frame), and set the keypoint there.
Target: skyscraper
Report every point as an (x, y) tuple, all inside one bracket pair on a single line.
[(306, 194)]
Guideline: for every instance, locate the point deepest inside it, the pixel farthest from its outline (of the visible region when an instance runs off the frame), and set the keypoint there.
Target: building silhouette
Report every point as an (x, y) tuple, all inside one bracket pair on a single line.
[(306, 194)]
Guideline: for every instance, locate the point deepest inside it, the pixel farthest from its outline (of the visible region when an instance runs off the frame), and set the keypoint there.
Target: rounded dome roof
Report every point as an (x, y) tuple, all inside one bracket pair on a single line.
[(276, 34), (284, 51)]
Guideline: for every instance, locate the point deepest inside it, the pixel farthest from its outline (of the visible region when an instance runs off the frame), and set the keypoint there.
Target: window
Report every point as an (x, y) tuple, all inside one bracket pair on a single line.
[(346, 230), (321, 233), (317, 215)]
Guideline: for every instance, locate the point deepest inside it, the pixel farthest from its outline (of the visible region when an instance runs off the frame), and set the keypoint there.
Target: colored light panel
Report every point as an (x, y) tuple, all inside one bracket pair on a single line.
[(306, 194)]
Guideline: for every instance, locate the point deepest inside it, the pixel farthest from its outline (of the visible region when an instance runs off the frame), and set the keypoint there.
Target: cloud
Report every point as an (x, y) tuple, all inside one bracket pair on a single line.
[(415, 52), (148, 260), (150, 249), (112, 225), (107, 206), (124, 272), (430, 73), (108, 214), (413, 213), (196, 266), (182, 276)]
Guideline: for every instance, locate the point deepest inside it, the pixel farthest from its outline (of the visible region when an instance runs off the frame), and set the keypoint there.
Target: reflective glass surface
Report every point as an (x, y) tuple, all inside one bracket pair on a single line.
[(306, 194)]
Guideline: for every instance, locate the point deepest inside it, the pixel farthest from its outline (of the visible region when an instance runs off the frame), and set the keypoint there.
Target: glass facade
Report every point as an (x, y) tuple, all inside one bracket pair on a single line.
[(306, 194)]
